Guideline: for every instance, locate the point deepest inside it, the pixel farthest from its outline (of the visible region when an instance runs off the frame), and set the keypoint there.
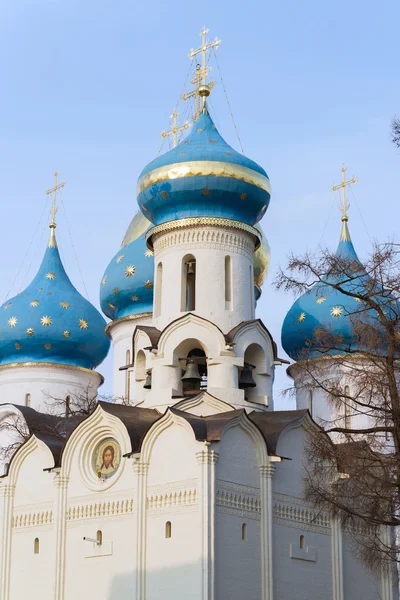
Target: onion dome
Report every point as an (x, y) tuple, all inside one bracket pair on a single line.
[(50, 321), (203, 177), (262, 258), (127, 285), (324, 310)]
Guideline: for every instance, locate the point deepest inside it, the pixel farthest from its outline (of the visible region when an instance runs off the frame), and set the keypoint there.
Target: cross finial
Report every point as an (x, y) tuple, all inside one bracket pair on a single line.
[(174, 129), (54, 209), (202, 88), (342, 186)]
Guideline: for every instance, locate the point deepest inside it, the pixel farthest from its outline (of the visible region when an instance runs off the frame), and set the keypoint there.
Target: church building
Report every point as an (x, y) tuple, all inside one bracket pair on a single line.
[(189, 486)]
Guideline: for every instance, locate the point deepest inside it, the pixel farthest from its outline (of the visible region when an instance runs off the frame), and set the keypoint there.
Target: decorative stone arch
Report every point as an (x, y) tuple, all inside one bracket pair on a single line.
[(204, 404), (167, 420), (243, 422), (253, 332), (305, 421), (21, 455), (194, 327), (84, 439)]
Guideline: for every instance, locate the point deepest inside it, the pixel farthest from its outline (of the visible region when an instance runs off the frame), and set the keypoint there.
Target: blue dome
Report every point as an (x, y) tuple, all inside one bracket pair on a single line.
[(203, 177), (324, 309), (127, 285), (51, 322)]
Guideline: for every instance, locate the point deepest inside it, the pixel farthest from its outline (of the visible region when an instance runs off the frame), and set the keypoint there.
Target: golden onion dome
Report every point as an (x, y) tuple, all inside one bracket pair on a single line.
[(137, 227), (262, 258)]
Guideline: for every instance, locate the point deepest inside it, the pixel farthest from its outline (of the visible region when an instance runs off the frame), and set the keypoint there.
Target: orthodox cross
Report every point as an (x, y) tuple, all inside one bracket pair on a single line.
[(342, 186), (201, 72), (54, 191), (174, 129)]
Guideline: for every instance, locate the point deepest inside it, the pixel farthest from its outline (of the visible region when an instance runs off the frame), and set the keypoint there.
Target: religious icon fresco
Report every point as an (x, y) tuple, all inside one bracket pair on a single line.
[(106, 458)]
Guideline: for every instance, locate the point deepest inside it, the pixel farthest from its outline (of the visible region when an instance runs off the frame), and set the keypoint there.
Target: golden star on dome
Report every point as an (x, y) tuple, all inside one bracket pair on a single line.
[(337, 311), (65, 304), (301, 317), (116, 291), (200, 130), (149, 253), (320, 299), (318, 332), (130, 270), (47, 346), (17, 346), (164, 194), (83, 324), (206, 192), (30, 331), (34, 303), (67, 334), (50, 275), (228, 153), (12, 321), (111, 305), (40, 289), (243, 196), (212, 141), (134, 298), (148, 284), (103, 281), (46, 321), (181, 153), (7, 305), (119, 258)]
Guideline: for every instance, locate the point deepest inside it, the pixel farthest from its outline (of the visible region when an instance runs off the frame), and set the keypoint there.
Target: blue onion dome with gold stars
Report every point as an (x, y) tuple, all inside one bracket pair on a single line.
[(50, 322), (203, 177), (126, 288), (324, 313)]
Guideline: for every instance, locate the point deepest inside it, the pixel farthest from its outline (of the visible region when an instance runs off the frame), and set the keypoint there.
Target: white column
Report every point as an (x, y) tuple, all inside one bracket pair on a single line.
[(7, 493), (207, 459), (140, 470), (337, 560), (61, 530), (266, 475), (387, 574)]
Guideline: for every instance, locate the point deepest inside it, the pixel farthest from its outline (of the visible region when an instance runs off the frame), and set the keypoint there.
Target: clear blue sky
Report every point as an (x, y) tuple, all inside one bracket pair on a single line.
[(87, 87)]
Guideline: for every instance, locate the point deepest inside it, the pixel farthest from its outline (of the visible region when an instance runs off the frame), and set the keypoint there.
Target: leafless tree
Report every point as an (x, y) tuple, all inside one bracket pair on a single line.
[(396, 132), (354, 473)]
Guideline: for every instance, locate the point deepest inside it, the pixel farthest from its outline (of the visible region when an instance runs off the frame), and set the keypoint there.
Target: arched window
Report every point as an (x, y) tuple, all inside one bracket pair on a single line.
[(99, 537), (67, 406), (127, 377), (302, 543), (27, 399), (244, 531), (310, 402), (347, 407), (158, 294), (195, 377), (228, 283), (188, 299), (36, 546), (168, 529)]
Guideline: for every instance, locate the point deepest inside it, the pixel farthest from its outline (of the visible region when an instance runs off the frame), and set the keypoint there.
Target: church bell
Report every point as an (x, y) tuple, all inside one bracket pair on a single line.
[(147, 384), (192, 374), (246, 380)]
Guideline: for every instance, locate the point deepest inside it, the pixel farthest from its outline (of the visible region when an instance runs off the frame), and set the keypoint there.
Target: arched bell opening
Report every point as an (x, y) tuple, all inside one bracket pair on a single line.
[(253, 377), (188, 293), (140, 374), (192, 360)]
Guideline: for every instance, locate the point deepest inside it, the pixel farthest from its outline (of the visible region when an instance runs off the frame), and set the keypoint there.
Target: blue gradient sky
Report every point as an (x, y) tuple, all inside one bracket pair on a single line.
[(87, 87)]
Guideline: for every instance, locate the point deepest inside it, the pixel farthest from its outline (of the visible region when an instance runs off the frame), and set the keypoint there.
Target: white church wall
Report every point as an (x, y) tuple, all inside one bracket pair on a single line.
[(173, 564), (237, 548), (36, 384), (358, 580)]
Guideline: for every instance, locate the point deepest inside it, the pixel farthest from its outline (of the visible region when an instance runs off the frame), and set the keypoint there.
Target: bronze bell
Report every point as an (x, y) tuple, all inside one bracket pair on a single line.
[(147, 384), (192, 374), (246, 380)]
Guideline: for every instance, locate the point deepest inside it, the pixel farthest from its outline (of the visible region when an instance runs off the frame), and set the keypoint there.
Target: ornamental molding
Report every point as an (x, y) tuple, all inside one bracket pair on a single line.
[(112, 324), (238, 500), (176, 496), (95, 510), (209, 457), (207, 239), (32, 519), (299, 516), (201, 223), (50, 365), (267, 471), (7, 490), (173, 486)]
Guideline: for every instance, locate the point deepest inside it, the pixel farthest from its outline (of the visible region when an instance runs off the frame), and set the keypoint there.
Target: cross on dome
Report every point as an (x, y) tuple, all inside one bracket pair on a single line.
[(174, 129), (345, 205), (54, 208)]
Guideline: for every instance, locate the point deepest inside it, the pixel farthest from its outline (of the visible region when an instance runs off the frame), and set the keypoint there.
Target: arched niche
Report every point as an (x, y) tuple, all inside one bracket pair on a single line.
[(188, 283), (255, 356), (190, 357)]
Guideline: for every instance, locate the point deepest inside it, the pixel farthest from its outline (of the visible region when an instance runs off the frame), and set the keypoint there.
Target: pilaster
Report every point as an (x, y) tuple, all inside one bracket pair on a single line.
[(337, 560), (7, 493), (61, 484), (207, 459), (266, 476), (140, 470), (387, 573)]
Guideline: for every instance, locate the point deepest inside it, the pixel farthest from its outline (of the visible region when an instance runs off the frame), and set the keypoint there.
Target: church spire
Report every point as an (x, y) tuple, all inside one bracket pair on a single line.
[(54, 209), (345, 235)]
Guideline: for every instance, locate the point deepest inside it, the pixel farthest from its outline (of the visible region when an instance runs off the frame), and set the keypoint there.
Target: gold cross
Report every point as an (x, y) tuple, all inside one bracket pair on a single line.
[(174, 129), (342, 186), (200, 75), (54, 191)]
